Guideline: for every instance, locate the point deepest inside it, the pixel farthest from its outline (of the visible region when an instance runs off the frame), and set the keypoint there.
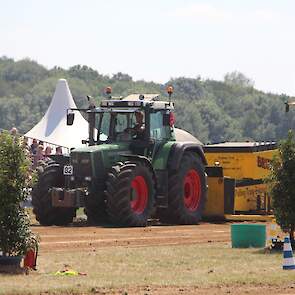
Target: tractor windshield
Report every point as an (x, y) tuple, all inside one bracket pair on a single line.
[(119, 126)]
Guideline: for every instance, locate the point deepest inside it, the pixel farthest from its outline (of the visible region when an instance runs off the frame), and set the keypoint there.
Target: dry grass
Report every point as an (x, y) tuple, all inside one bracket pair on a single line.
[(201, 265)]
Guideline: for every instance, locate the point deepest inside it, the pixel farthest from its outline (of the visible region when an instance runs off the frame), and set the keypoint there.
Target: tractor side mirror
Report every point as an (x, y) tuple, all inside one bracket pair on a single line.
[(166, 119), (287, 107), (70, 119)]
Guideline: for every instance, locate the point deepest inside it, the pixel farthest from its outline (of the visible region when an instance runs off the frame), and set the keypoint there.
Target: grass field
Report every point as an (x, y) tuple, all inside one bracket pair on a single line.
[(203, 265)]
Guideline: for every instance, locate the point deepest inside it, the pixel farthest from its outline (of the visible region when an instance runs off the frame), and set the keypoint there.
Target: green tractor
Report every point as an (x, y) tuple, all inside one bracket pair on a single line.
[(131, 169)]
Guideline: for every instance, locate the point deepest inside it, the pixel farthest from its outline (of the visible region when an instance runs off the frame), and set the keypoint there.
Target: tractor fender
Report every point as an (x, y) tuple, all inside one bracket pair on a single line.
[(139, 158), (179, 148)]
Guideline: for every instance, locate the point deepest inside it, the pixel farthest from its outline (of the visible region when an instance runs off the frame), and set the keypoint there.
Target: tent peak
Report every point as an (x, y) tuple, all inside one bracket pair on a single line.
[(53, 128)]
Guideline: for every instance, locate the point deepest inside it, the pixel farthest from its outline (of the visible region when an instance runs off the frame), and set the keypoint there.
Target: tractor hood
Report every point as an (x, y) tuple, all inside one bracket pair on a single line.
[(95, 161), (101, 147)]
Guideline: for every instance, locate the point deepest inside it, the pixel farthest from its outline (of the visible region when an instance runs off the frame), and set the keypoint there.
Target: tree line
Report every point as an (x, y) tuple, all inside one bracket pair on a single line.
[(213, 111)]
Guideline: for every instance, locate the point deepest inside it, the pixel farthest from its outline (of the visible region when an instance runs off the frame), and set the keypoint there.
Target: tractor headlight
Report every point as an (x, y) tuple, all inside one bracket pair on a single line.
[(87, 178)]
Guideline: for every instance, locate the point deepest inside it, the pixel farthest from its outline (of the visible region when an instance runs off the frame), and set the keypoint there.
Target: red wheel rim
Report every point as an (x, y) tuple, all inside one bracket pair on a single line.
[(139, 194), (192, 190)]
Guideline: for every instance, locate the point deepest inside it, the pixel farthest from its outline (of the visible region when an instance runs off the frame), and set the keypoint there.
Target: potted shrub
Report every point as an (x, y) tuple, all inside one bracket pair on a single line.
[(16, 237), (281, 185)]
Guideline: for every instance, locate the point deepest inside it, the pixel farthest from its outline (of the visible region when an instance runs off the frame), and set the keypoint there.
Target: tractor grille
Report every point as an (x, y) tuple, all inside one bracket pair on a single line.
[(82, 164)]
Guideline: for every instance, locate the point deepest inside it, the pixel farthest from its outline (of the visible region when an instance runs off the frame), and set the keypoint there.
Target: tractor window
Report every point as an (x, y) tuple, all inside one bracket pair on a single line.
[(104, 120), (157, 130), (120, 125), (121, 122)]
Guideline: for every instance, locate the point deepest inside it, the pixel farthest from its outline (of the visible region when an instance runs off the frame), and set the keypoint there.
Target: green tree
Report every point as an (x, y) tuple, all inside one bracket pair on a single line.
[(83, 72), (281, 183), (121, 77), (15, 233), (238, 79), (24, 71)]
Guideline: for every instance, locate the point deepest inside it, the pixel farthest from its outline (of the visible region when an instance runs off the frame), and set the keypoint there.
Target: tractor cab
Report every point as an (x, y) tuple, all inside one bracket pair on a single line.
[(127, 120), (138, 119)]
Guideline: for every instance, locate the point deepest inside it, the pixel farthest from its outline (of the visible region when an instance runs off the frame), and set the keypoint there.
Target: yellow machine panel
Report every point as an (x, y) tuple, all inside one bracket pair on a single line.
[(248, 164), (220, 198), (215, 198), (252, 198), (241, 160)]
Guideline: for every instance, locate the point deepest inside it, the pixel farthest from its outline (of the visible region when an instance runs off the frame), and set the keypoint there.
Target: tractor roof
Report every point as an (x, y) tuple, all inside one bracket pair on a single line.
[(146, 97), (137, 101)]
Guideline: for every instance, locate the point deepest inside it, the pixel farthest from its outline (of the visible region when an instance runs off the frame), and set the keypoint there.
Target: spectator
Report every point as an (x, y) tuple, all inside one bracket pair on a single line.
[(34, 146), (13, 131), (38, 156), (48, 151), (58, 150)]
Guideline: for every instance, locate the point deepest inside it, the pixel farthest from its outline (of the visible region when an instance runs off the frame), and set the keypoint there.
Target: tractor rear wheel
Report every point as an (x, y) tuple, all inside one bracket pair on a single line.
[(50, 175), (130, 194), (187, 192)]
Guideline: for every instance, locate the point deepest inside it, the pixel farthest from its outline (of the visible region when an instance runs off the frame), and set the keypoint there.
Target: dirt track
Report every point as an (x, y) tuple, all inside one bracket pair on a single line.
[(71, 238)]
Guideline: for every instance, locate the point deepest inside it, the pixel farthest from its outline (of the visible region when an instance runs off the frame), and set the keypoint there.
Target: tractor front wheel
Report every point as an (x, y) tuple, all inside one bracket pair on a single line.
[(130, 194), (50, 175)]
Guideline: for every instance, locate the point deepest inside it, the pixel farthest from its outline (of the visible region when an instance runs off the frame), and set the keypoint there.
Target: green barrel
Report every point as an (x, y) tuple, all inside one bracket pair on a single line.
[(248, 235)]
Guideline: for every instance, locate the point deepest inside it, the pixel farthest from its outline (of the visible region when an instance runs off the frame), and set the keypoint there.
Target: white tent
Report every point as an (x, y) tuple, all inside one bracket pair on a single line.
[(182, 135), (53, 128)]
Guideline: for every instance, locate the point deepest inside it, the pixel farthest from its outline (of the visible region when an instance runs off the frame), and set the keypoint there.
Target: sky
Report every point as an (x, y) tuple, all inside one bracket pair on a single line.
[(157, 40)]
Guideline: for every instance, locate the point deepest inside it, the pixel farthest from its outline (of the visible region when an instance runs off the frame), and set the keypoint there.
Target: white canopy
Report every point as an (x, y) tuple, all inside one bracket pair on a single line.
[(53, 128), (182, 135)]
